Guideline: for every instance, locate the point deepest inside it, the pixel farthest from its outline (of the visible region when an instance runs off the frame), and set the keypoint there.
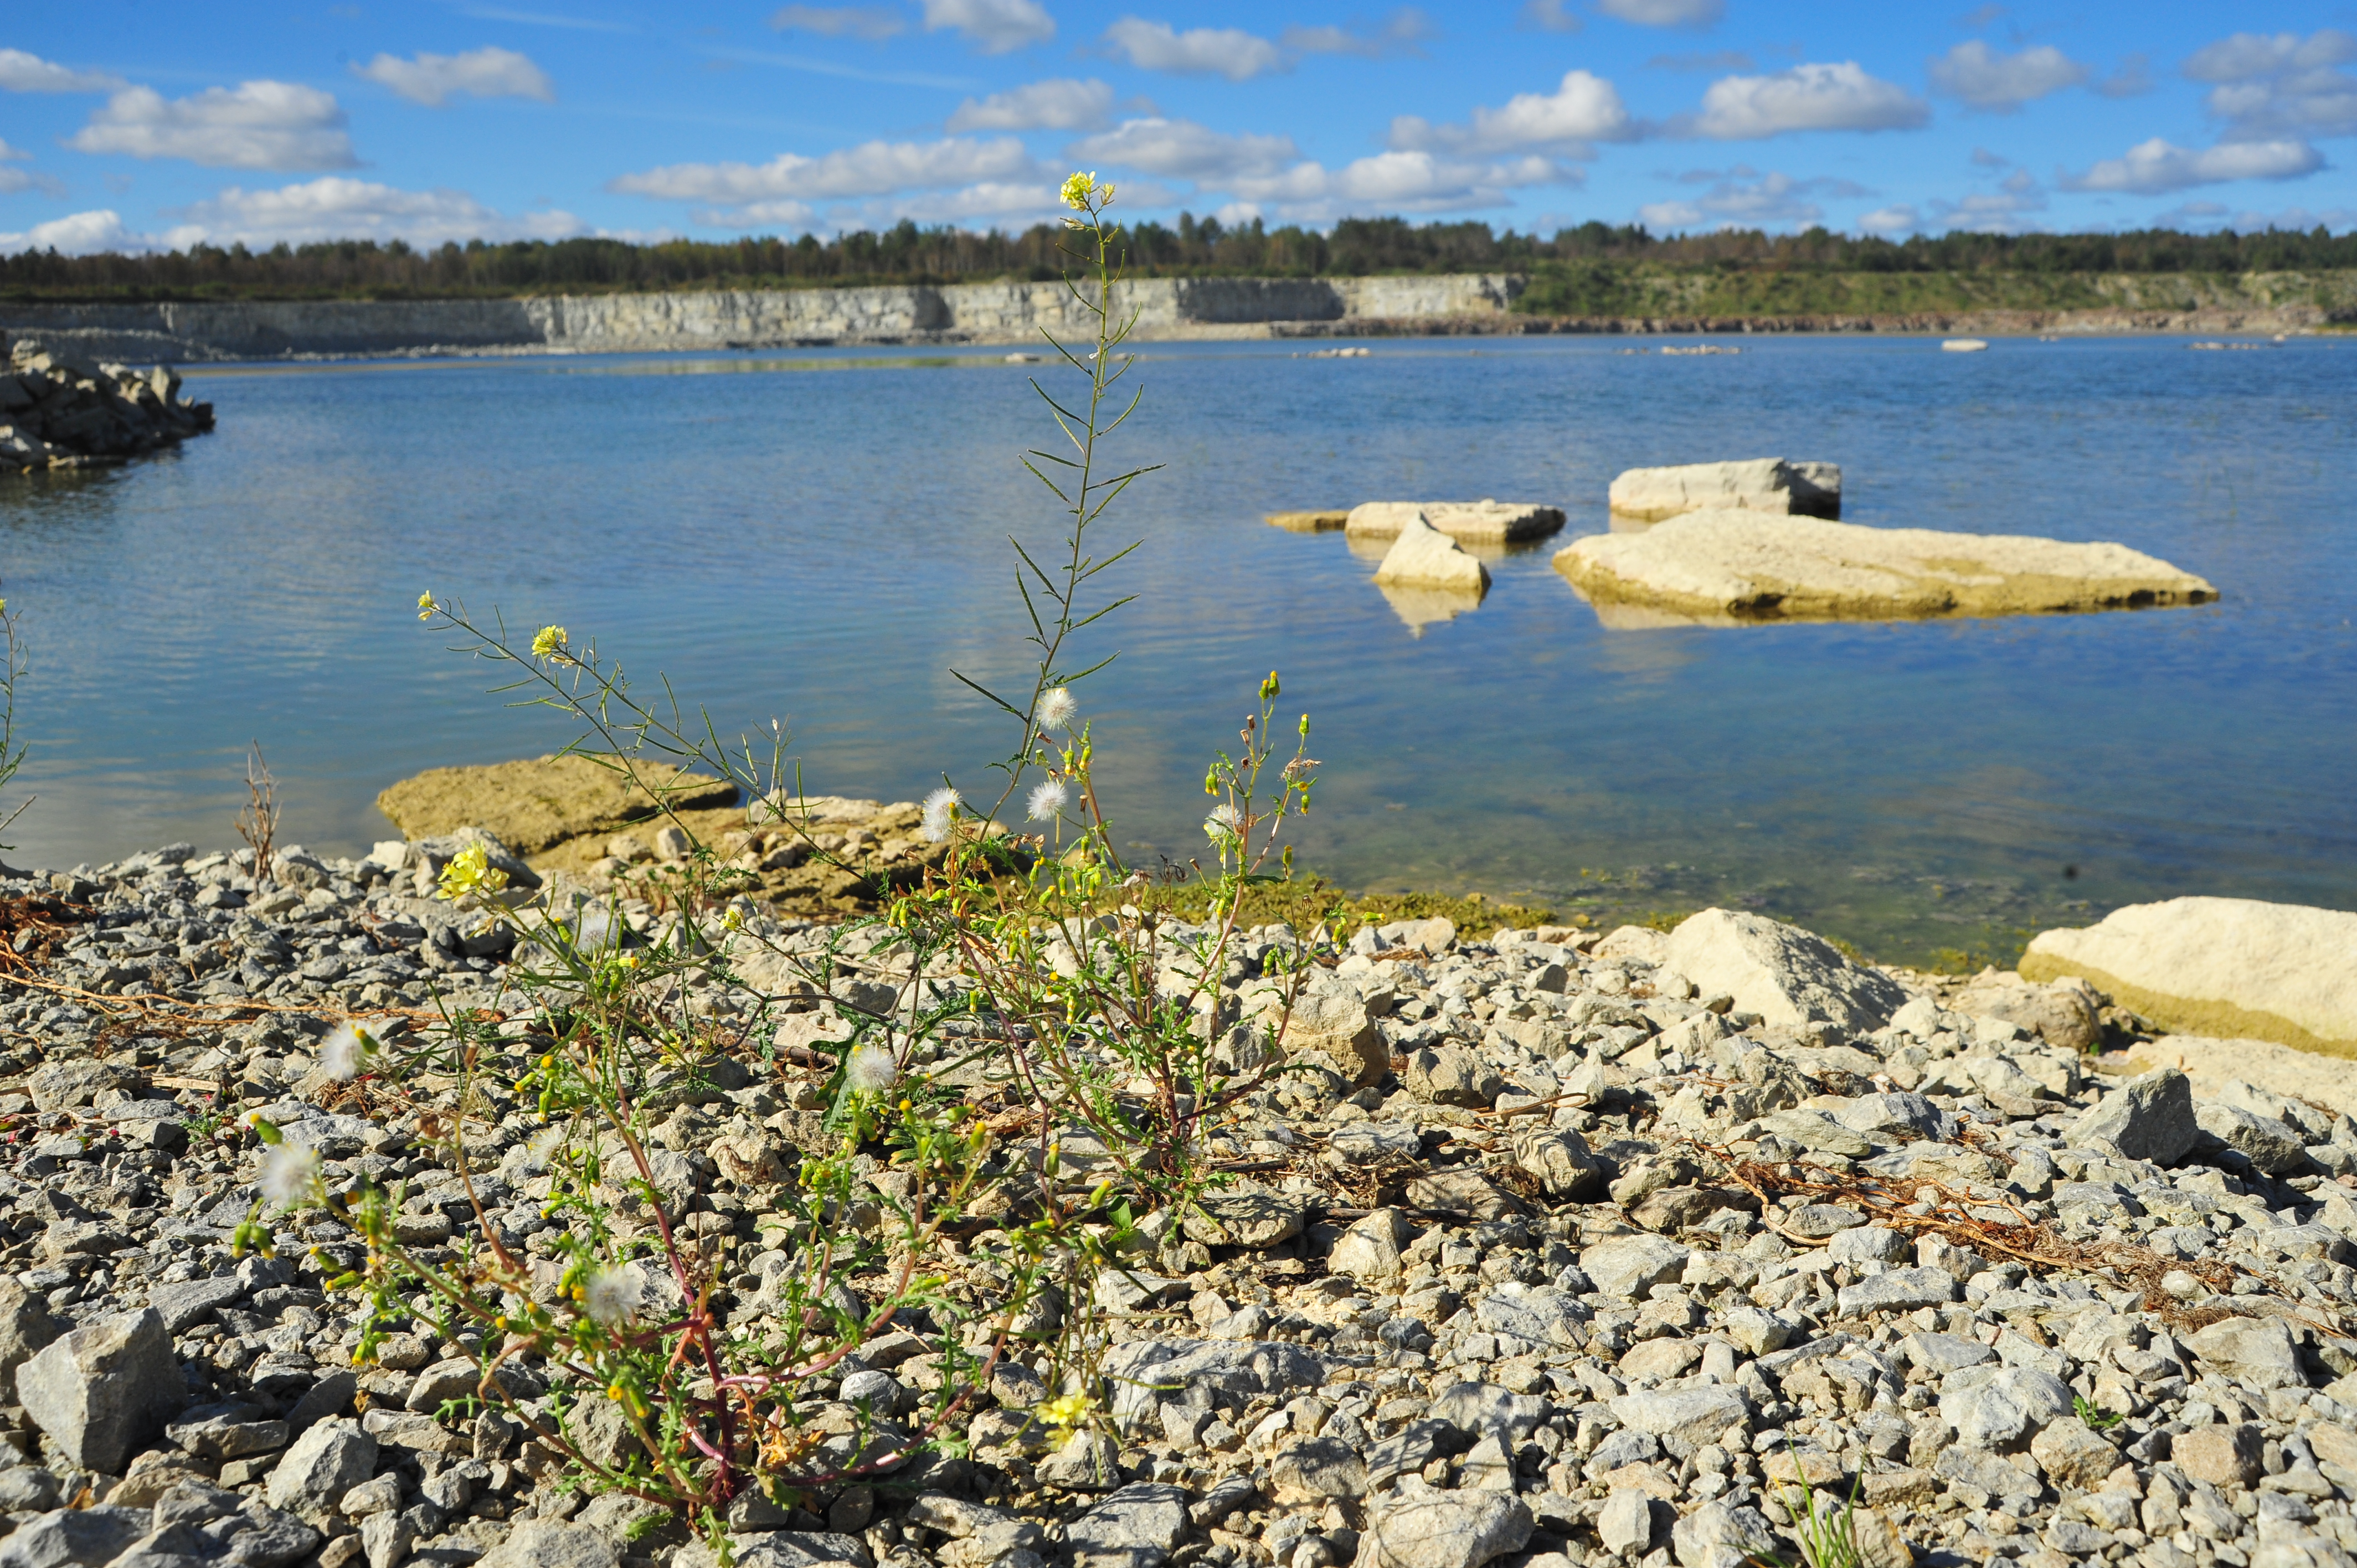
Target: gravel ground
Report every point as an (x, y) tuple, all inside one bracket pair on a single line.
[(1561, 1251)]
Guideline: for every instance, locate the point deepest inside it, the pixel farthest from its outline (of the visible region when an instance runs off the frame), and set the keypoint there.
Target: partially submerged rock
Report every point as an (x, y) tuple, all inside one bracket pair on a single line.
[(1308, 522), (1424, 557), (1484, 522), (1728, 566), (1777, 485), (533, 804), (2220, 967)]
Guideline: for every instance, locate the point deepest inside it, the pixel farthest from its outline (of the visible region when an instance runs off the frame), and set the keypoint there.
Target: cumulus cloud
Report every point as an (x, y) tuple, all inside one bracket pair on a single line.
[(1840, 97), (2002, 83), (872, 168), (1181, 149), (1415, 181), (84, 234), (2156, 167), (1200, 51), (339, 207), (1771, 200), (1401, 31), (2000, 212), (21, 73), (259, 125), (995, 26), (1061, 104), (2272, 86), (1899, 219), (433, 80), (1582, 109), (1549, 16), (870, 22), (1666, 13)]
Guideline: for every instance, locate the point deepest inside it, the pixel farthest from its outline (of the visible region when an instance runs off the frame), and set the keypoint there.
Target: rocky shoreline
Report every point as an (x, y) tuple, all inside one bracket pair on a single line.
[(58, 413), (1574, 1249)]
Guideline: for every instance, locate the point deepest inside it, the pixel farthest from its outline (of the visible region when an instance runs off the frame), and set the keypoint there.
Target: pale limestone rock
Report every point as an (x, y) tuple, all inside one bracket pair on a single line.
[(2220, 967), (1728, 566), (1424, 557), (1484, 522), (1775, 485), (1782, 973)]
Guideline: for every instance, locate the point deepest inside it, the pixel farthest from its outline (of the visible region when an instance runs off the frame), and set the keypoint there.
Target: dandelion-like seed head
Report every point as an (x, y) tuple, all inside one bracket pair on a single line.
[(610, 1295), (871, 1070), (1057, 707), (542, 1146), (346, 1054), (941, 811), (1224, 822), (1047, 799), (290, 1175), (548, 641)]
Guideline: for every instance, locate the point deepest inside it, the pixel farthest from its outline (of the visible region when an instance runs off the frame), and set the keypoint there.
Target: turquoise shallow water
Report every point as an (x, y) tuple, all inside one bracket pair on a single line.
[(818, 537)]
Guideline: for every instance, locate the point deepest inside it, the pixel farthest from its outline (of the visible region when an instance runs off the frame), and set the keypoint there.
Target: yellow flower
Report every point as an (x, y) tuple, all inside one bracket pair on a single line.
[(1066, 1413), (1076, 190), (470, 872), (427, 606), (548, 642)]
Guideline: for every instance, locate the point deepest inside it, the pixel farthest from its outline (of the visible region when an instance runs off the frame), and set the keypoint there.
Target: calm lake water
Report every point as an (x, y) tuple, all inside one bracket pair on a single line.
[(819, 537)]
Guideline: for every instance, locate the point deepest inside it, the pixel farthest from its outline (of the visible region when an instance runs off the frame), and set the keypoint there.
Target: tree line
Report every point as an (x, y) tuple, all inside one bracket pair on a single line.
[(1191, 247)]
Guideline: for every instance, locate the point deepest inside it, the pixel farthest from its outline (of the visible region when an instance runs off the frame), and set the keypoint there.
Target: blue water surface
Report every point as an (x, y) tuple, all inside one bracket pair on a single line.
[(820, 537)]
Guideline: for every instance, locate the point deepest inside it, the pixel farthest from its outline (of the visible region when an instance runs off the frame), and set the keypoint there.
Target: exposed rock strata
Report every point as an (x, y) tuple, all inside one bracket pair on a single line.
[(57, 412)]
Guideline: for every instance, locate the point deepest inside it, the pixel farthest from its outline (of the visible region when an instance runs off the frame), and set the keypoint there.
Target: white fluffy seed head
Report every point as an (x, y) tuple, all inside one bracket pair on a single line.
[(1047, 800), (871, 1070), (941, 809), (610, 1295), (1225, 821), (290, 1176), (345, 1054), (1057, 707)]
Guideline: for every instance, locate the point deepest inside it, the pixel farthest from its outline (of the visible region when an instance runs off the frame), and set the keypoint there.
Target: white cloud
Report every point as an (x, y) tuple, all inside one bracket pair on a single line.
[(21, 73), (1200, 51), (870, 22), (260, 126), (339, 207), (83, 234), (1984, 79), (1582, 109), (2269, 87), (997, 27), (1061, 104), (1666, 13), (1771, 201), (872, 168), (432, 80), (1550, 16), (1840, 97), (13, 180), (1401, 31), (1396, 182), (2156, 167), (2000, 212), (1895, 219), (1182, 149)]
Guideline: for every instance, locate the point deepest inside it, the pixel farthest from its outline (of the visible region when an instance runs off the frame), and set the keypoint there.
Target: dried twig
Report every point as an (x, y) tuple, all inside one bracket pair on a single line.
[(258, 823)]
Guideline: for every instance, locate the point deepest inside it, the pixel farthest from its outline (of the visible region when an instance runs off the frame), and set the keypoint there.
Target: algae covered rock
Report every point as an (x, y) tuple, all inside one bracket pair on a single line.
[(535, 802)]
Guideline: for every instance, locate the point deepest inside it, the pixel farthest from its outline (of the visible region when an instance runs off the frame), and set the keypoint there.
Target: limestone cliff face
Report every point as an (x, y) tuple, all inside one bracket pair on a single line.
[(722, 319)]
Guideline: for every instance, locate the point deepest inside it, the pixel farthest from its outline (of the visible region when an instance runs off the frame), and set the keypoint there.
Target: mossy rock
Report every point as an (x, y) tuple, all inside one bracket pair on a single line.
[(531, 804)]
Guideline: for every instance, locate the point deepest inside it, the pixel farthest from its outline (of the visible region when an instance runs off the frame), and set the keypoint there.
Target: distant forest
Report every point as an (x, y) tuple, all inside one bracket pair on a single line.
[(1576, 264)]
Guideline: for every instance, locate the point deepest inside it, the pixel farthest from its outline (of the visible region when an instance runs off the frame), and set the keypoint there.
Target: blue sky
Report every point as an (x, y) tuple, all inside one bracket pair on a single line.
[(128, 127)]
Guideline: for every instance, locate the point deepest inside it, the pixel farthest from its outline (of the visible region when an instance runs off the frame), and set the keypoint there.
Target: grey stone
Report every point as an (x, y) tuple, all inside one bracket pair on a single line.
[(1312, 1469), (1717, 1536), (1137, 1527), (225, 1430), (1693, 1415), (2147, 1118), (1369, 1251), (1991, 1473), (1818, 1132), (2257, 1351), (1867, 1244), (386, 1538), (1485, 1408), (29, 1488), (1416, 1527), (1631, 1265), (2226, 1456), (103, 1391), (1145, 1371), (1410, 1449), (1897, 1290), (61, 1085), (1559, 1157), (1254, 1219), (1784, 974), (2007, 1411), (1754, 1331), (443, 1381), (2071, 1454), (78, 1537), (1625, 1523), (1450, 1075), (1088, 1462), (184, 1306), (1817, 1221), (324, 1464), (783, 1549), (2270, 1145), (1897, 1113), (1943, 1353), (1537, 1313), (25, 1328)]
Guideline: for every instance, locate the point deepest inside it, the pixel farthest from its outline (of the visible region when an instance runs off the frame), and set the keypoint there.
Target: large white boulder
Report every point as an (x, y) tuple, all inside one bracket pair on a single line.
[(1785, 974), (2220, 967), (1424, 557), (1731, 565), (1484, 522), (1776, 485)]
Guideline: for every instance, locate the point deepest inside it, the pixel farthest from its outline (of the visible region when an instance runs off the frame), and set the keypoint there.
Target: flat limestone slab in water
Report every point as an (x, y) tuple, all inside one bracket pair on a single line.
[(2220, 967), (1727, 566), (538, 801), (1777, 485), (1483, 521)]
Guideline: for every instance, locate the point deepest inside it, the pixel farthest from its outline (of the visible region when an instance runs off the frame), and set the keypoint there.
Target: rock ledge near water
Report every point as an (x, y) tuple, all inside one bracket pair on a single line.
[(57, 413)]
